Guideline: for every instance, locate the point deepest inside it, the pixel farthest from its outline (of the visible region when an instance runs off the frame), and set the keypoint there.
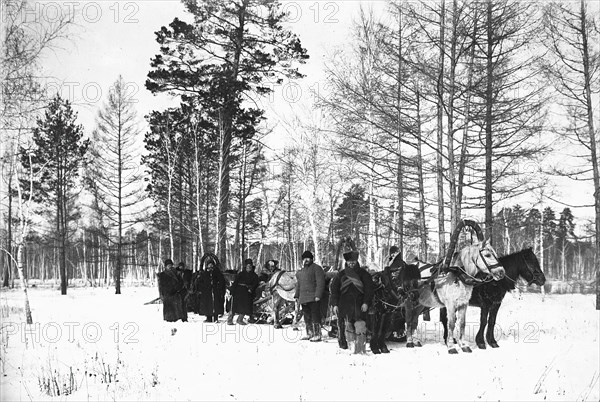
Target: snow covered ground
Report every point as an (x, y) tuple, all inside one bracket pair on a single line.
[(99, 346)]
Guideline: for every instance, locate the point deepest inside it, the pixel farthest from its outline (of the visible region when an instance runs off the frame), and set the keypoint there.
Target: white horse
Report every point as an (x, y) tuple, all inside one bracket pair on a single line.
[(282, 287), (453, 289)]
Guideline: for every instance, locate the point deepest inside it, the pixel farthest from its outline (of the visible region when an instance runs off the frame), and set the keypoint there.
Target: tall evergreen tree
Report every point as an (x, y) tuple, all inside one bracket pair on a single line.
[(56, 157), (352, 215), (228, 52), (114, 166)]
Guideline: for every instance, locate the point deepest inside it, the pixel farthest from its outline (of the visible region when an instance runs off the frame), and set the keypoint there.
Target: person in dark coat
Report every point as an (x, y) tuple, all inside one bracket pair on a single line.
[(310, 286), (351, 294), (243, 291), (211, 286), (186, 275), (395, 258), (171, 289)]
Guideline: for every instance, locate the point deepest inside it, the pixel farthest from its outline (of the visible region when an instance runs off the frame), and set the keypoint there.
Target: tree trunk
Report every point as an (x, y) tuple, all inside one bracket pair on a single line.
[(420, 178), (8, 266), (463, 149), (400, 172), (28, 316), (226, 128), (454, 217), (541, 253), (593, 143), (198, 213), (224, 184), (169, 209), (440, 136), (119, 216), (489, 220)]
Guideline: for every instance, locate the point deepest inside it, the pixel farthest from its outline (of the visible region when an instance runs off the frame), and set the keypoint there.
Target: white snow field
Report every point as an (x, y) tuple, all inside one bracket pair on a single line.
[(93, 345)]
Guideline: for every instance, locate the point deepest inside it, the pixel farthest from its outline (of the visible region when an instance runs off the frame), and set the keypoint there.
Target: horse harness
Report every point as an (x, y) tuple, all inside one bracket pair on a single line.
[(279, 275)]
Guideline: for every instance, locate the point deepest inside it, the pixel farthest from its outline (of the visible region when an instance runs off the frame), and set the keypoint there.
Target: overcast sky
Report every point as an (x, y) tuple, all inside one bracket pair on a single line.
[(114, 38)]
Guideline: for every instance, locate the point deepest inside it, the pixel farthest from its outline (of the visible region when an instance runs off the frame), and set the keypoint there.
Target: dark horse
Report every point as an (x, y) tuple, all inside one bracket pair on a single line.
[(385, 304), (489, 295)]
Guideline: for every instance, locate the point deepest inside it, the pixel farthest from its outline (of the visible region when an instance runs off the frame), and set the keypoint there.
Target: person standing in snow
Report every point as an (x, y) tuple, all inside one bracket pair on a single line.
[(351, 293), (310, 286), (171, 289), (243, 291), (211, 286)]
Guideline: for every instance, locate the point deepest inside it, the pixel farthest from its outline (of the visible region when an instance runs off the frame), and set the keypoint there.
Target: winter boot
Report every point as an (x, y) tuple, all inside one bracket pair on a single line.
[(310, 332), (361, 337), (240, 319), (316, 333)]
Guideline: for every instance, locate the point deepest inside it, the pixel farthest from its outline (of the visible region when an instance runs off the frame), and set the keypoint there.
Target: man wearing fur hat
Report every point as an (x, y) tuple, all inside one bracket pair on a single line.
[(243, 291), (309, 291), (351, 294)]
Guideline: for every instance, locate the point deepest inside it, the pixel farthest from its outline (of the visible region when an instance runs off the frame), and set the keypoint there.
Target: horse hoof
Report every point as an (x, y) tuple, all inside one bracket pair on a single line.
[(296, 329), (410, 345), (376, 351), (494, 345), (453, 351), (385, 350), (466, 349), (278, 326), (481, 345), (343, 346), (418, 344)]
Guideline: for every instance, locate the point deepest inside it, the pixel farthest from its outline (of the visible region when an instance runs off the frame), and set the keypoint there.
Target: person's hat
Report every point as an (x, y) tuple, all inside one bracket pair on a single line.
[(308, 254), (168, 262), (351, 256), (394, 249), (248, 261)]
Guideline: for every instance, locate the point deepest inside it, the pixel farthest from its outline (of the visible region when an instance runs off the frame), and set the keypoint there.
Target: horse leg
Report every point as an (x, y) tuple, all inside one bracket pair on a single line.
[(410, 315), (297, 316), (444, 321), (276, 306), (342, 333), (385, 326), (482, 324), (462, 321), (417, 309), (451, 325), (376, 320), (491, 325)]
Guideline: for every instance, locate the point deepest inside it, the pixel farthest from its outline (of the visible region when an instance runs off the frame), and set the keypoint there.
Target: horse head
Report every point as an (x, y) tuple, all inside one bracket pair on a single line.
[(384, 285), (481, 258), (531, 270), (408, 281)]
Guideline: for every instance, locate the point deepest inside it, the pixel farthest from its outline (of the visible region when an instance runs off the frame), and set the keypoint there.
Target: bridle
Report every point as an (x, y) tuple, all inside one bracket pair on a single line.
[(534, 275), (488, 265)]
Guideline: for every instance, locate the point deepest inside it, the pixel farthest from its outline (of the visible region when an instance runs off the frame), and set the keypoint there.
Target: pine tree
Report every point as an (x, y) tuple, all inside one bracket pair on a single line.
[(229, 51), (352, 215), (57, 155)]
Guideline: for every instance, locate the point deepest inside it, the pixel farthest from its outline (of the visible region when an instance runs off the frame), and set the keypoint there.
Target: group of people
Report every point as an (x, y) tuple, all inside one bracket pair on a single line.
[(351, 292), (204, 292)]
